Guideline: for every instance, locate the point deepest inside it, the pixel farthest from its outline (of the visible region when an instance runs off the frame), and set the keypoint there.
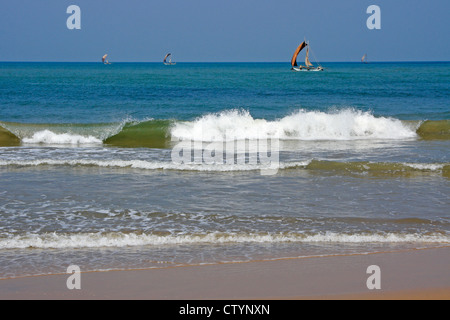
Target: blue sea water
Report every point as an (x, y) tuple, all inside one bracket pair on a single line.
[(87, 174), (97, 93)]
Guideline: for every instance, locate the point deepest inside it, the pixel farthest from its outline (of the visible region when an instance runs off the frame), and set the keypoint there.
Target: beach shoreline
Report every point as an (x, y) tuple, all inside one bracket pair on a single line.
[(412, 274)]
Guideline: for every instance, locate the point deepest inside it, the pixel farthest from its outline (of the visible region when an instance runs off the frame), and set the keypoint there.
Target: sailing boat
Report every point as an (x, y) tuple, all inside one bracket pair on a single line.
[(308, 65), (364, 58), (169, 63), (104, 60)]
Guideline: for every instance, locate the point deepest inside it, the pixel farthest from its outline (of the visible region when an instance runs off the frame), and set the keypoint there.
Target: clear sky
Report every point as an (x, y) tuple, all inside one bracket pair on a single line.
[(223, 30)]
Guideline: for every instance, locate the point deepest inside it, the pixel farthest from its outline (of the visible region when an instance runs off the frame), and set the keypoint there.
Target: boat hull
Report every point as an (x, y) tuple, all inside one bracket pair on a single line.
[(306, 69)]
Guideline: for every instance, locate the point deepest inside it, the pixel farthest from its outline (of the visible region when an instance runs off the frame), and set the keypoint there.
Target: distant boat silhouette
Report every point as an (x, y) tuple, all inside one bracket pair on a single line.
[(168, 63), (364, 58), (104, 60)]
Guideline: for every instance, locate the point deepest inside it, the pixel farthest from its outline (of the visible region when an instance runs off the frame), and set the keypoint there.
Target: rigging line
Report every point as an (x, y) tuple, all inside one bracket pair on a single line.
[(314, 57)]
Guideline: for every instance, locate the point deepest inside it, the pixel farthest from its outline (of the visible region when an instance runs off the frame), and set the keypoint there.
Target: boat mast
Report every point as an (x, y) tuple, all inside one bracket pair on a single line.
[(314, 57)]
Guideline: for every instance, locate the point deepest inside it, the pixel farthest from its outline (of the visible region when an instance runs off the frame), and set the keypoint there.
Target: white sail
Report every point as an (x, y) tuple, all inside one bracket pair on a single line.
[(307, 62)]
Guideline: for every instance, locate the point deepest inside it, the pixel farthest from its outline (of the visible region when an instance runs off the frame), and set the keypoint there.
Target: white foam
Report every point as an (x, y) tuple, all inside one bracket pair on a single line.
[(96, 240), (347, 124), (167, 165), (426, 166), (147, 165), (49, 137)]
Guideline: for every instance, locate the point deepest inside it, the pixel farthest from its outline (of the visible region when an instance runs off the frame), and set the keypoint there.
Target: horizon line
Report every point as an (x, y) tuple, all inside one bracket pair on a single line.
[(287, 62)]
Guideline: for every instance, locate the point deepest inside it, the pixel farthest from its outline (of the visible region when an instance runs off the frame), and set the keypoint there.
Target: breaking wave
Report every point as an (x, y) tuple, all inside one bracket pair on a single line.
[(347, 124), (351, 167), (120, 239)]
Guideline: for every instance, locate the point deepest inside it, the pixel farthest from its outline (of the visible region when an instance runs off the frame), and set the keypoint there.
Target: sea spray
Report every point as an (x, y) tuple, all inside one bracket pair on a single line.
[(49, 137), (347, 124)]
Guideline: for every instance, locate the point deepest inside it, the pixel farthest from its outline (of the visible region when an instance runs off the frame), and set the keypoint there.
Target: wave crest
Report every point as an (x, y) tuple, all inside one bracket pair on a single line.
[(120, 239), (345, 124), (49, 137), (361, 168)]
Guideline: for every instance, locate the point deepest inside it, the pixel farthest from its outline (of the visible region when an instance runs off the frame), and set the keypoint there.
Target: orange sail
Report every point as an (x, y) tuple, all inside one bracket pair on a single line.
[(104, 58), (165, 58), (294, 57)]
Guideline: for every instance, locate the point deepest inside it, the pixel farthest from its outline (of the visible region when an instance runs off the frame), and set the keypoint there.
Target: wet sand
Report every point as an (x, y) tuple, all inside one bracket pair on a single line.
[(415, 274)]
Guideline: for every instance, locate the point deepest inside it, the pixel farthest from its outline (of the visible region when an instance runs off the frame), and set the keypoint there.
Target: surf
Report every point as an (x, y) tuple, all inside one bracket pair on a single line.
[(352, 168), (431, 130), (236, 124), (347, 124), (133, 239), (8, 139)]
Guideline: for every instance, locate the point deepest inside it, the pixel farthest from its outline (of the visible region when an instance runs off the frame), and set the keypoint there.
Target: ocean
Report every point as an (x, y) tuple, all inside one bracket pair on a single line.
[(142, 165)]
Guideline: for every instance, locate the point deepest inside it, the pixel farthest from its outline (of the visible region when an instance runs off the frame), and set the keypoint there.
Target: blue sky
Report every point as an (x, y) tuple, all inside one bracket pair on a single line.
[(226, 30)]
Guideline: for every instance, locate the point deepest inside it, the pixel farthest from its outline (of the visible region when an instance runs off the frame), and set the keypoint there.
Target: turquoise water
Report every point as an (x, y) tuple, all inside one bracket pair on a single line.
[(95, 93), (89, 175)]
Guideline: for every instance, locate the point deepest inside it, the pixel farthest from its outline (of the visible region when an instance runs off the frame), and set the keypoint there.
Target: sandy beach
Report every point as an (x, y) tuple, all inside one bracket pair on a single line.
[(416, 274)]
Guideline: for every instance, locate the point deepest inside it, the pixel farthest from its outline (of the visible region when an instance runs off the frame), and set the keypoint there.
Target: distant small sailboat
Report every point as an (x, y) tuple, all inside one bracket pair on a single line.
[(104, 60), (364, 58), (308, 65), (169, 63)]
